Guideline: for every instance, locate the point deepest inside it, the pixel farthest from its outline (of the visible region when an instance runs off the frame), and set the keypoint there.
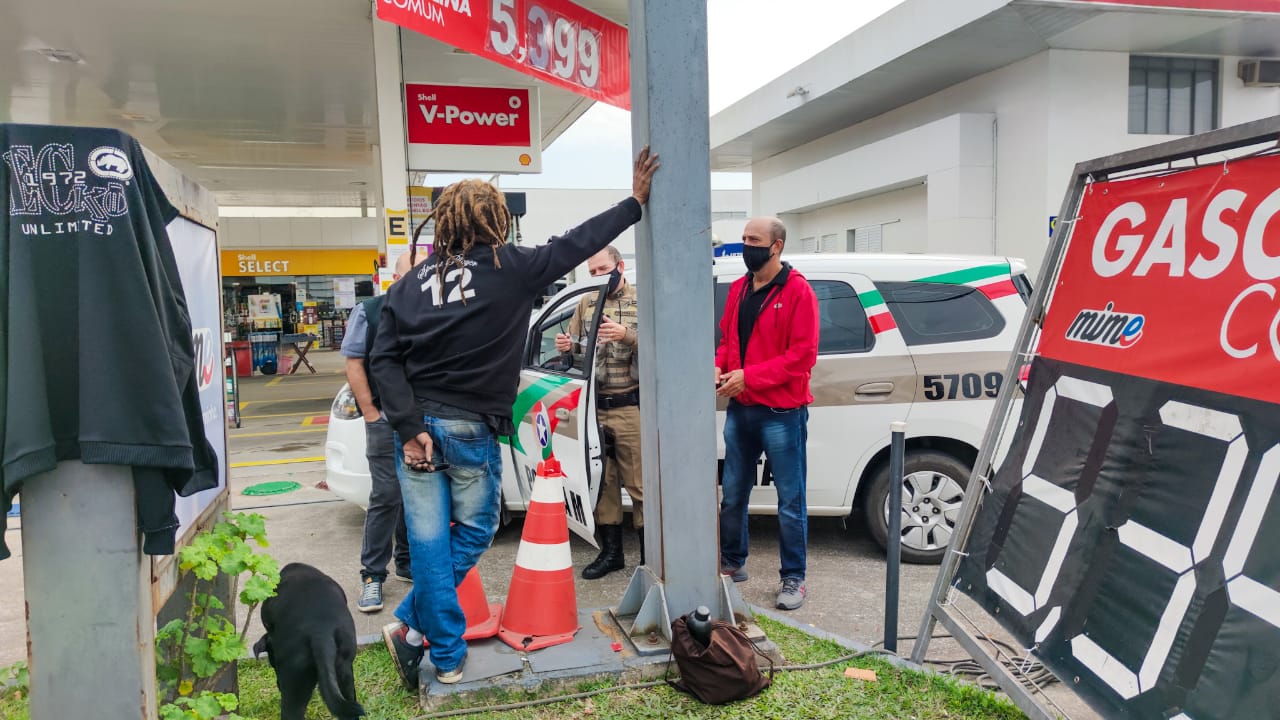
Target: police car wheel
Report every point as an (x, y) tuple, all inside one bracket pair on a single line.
[(932, 492)]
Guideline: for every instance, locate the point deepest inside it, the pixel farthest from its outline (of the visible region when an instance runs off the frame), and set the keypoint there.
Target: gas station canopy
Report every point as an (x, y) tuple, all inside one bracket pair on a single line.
[(263, 103)]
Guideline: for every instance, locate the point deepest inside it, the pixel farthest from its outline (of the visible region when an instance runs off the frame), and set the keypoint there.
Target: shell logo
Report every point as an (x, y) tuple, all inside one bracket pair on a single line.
[(525, 159)]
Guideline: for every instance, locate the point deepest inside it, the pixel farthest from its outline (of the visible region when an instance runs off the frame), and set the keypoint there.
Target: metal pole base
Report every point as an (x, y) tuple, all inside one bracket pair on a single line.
[(90, 622), (644, 616)]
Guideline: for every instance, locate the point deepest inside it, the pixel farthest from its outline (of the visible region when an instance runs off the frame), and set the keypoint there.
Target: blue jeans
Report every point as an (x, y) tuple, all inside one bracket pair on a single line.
[(467, 495), (782, 435)]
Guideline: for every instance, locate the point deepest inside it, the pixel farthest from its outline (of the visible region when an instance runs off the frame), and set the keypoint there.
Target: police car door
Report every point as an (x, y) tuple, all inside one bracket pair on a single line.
[(555, 411)]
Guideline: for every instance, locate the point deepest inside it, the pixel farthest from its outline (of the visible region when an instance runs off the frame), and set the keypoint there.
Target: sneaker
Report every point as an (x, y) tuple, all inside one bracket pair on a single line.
[(404, 576), (370, 596), (407, 657), (792, 594), (738, 574), (451, 677)]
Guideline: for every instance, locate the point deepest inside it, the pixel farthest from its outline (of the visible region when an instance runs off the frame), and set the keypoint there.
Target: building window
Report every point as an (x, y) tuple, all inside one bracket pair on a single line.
[(809, 244), (866, 239), (1172, 95), (830, 243)]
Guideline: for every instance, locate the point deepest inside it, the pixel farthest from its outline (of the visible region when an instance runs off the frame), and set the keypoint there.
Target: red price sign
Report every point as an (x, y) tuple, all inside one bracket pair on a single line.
[(555, 41)]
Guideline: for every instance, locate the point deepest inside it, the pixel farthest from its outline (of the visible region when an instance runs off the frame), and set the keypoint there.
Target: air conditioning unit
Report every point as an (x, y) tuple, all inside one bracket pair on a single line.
[(1260, 73)]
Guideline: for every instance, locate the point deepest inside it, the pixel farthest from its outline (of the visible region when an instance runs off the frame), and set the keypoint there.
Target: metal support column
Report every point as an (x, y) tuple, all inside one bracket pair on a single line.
[(389, 90), (673, 253), (897, 457), (90, 624)]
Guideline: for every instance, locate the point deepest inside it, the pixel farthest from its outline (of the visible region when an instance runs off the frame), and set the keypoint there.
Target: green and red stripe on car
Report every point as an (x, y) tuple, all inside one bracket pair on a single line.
[(992, 281)]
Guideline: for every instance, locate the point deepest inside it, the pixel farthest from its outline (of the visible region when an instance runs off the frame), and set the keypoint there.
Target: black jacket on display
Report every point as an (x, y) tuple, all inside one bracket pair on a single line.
[(434, 347), (97, 361)]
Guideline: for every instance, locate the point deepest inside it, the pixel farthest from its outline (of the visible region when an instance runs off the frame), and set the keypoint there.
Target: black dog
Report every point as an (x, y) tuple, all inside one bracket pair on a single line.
[(310, 638)]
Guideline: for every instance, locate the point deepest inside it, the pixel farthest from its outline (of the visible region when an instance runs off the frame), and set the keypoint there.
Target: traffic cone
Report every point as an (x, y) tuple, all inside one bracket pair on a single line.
[(542, 609), (482, 616)]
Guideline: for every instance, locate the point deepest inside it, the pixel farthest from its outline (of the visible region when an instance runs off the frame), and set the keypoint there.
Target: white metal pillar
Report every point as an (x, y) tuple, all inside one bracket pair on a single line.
[(392, 161)]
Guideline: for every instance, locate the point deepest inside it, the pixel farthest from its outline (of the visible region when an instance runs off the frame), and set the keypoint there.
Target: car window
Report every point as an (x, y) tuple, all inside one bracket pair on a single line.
[(844, 327), (930, 313), (1021, 282), (542, 352), (722, 296)]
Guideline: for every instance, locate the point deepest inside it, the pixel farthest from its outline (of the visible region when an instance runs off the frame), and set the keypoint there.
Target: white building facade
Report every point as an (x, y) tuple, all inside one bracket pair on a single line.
[(953, 127)]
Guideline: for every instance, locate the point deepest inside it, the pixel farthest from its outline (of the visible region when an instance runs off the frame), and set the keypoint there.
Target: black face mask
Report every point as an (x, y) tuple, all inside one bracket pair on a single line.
[(615, 279), (755, 257)]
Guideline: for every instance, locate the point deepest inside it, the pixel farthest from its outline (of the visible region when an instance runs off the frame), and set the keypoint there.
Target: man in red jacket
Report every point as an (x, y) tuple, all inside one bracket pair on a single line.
[(768, 347)]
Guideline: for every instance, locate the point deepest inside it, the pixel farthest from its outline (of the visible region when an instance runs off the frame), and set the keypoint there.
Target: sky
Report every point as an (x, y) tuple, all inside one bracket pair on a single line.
[(749, 43)]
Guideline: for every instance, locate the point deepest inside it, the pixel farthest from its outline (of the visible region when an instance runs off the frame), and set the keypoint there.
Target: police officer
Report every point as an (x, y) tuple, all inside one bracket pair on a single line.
[(618, 401)]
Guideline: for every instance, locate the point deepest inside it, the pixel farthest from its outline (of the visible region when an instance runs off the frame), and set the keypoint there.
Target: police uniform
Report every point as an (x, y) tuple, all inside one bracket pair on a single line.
[(617, 374)]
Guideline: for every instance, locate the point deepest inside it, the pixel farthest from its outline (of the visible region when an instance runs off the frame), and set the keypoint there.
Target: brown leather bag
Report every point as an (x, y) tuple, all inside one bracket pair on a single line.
[(723, 671)]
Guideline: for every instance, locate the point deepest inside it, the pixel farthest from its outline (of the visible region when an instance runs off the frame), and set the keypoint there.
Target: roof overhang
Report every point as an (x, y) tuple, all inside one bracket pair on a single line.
[(264, 103), (923, 46)]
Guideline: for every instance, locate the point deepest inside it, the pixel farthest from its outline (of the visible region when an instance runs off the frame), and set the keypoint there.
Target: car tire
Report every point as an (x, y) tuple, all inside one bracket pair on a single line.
[(937, 481)]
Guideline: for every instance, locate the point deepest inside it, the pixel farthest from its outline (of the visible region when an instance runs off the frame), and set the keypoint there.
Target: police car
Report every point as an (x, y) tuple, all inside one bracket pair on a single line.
[(923, 339)]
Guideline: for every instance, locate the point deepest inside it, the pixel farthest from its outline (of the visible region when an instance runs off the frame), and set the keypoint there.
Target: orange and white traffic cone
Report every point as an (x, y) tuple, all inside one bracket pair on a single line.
[(542, 608), (482, 616)]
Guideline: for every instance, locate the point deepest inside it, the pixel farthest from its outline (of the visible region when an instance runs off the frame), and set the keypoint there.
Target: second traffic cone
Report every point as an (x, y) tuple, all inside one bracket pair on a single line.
[(482, 616), (542, 608)]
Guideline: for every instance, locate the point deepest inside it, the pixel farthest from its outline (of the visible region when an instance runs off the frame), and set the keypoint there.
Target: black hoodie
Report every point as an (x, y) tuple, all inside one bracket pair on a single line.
[(432, 346), (97, 361)]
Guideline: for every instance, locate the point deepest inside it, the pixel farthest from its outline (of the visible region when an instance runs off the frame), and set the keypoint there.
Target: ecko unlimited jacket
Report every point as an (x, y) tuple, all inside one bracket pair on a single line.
[(97, 360)]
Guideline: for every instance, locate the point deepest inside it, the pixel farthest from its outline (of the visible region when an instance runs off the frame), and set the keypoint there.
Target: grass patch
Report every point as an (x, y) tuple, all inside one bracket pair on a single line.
[(13, 706), (823, 693)]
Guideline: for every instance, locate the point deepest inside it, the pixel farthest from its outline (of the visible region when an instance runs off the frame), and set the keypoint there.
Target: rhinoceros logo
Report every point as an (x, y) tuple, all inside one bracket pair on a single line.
[(110, 162)]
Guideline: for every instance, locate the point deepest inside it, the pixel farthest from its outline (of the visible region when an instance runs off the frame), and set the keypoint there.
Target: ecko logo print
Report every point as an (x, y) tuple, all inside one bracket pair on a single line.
[(110, 162), (48, 184), (1107, 327)]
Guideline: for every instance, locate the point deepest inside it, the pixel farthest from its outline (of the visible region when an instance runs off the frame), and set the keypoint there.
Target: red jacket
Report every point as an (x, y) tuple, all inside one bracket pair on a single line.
[(783, 347)]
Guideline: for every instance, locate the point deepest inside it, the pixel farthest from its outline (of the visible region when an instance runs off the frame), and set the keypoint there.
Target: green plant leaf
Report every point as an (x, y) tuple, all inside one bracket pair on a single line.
[(202, 664), (228, 701), (207, 706), (226, 647), (254, 526), (170, 629), (257, 589)]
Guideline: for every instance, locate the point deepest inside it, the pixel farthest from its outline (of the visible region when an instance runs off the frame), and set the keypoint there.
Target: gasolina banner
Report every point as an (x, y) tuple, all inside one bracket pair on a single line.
[(1129, 535), (556, 41)]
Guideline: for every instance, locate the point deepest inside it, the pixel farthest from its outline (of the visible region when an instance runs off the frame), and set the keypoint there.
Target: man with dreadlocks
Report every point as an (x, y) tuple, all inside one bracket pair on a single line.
[(447, 363)]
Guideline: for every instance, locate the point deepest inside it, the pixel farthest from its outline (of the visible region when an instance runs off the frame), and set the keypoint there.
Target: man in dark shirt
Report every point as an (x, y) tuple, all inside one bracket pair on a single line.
[(447, 363), (384, 526)]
